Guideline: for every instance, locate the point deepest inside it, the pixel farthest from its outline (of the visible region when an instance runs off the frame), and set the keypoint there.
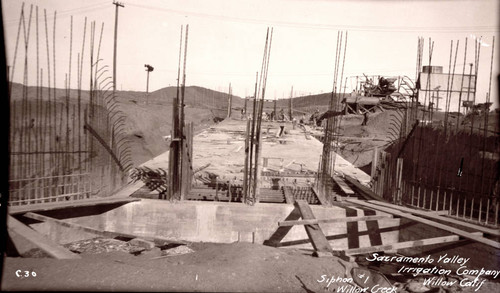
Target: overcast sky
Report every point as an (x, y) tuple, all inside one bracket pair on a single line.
[(226, 40)]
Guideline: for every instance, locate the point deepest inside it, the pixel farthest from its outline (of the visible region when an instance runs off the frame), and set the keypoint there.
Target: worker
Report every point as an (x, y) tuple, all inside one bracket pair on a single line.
[(365, 119), (302, 119)]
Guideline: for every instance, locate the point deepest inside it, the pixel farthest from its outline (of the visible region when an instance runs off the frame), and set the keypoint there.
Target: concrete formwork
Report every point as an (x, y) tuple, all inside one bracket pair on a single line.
[(221, 223)]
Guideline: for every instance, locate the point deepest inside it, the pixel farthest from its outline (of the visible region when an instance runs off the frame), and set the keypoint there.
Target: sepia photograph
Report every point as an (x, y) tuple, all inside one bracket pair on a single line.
[(250, 146)]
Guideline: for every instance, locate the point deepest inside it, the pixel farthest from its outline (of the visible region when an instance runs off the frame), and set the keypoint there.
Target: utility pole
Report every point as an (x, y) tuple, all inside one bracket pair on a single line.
[(229, 102), (117, 4), (149, 69)]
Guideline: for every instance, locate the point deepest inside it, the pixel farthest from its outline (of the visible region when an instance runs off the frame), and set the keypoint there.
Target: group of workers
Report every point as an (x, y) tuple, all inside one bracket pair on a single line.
[(315, 119)]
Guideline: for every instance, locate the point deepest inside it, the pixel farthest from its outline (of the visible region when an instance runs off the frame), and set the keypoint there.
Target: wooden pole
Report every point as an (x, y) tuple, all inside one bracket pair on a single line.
[(229, 102), (181, 120), (117, 4), (173, 191), (252, 140)]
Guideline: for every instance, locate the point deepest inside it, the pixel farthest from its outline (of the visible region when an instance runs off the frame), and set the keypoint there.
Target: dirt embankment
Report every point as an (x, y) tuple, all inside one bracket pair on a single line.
[(237, 267), (357, 141)]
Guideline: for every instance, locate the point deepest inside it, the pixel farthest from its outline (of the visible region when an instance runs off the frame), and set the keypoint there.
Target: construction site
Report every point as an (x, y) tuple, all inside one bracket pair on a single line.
[(383, 183)]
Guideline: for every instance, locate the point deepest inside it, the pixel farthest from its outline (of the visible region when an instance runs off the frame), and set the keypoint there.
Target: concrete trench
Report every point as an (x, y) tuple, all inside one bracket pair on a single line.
[(220, 222)]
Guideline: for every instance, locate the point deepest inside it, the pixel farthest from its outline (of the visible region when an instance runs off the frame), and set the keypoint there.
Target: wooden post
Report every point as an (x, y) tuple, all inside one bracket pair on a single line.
[(496, 213), (191, 138), (480, 209), (412, 193), (389, 176), (185, 161), (399, 175), (472, 209), (174, 154), (431, 198), (465, 208), (451, 201), (437, 200), (374, 162), (381, 179), (418, 195), (229, 102), (117, 4), (245, 168), (487, 211), (424, 200), (444, 202), (258, 169), (216, 188), (173, 171)]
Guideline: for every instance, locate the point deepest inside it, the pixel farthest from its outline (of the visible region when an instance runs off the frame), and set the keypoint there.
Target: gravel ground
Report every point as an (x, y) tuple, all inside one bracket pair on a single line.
[(109, 265)]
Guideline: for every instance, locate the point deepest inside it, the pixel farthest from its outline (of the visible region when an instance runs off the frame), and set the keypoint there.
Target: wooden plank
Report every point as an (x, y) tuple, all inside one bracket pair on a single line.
[(281, 232), (318, 239), (374, 162), (343, 185), (447, 228), (365, 191), (434, 215), (406, 244), (15, 210), (40, 241), (110, 234), (334, 220), (440, 213)]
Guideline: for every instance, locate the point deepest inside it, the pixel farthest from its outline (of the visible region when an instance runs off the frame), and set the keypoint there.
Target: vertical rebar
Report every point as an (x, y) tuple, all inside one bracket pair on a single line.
[(80, 75), (461, 84), (56, 156), (450, 89), (416, 162), (252, 140), (37, 115), (49, 137), (486, 127), (11, 72), (43, 130), (68, 95)]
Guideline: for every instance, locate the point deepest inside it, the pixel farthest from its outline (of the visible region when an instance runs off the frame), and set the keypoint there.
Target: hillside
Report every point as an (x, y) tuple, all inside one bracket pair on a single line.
[(148, 116)]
